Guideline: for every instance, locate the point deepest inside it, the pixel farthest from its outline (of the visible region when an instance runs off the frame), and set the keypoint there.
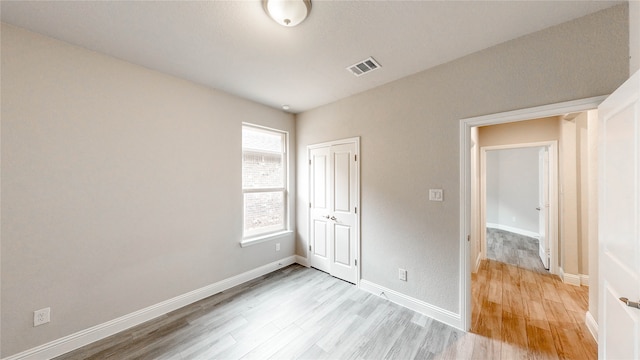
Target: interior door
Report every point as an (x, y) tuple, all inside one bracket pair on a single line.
[(619, 223), (333, 209), (543, 205)]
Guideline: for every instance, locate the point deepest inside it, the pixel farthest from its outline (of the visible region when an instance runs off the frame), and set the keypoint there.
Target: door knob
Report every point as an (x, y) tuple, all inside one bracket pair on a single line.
[(326, 217), (538, 208), (633, 304), (334, 218)]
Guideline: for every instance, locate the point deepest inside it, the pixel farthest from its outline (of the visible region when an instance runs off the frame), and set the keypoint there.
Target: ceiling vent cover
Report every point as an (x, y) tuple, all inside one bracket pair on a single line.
[(363, 67)]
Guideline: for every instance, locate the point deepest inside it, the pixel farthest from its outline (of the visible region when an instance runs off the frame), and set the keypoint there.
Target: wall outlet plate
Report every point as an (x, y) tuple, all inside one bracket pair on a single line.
[(41, 316), (277, 246)]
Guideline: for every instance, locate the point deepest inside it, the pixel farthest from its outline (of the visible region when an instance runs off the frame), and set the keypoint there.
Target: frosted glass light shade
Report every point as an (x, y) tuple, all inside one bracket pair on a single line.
[(287, 12)]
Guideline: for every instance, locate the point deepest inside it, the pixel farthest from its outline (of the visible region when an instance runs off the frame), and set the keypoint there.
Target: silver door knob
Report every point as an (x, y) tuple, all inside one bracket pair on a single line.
[(334, 218), (538, 208), (633, 304)]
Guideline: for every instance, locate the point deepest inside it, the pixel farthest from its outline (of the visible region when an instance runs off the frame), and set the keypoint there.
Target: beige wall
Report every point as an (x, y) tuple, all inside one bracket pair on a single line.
[(529, 131), (567, 171), (121, 187), (409, 141)]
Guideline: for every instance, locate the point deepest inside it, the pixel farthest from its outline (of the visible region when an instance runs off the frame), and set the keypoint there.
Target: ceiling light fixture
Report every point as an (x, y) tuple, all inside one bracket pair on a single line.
[(287, 12)]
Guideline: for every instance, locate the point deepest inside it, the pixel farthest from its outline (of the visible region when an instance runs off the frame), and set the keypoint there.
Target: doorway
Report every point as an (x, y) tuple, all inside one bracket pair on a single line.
[(470, 231), (334, 199), (518, 204)]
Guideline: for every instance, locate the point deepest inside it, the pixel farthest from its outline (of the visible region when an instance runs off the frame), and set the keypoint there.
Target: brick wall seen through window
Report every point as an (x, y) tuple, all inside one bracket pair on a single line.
[(263, 180)]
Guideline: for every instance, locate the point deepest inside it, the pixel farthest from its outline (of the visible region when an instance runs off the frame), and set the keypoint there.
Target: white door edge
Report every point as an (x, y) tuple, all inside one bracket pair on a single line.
[(464, 305)]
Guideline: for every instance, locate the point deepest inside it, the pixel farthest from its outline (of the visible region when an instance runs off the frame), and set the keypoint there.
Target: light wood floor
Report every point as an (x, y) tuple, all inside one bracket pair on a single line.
[(304, 313), (528, 314), (523, 309)]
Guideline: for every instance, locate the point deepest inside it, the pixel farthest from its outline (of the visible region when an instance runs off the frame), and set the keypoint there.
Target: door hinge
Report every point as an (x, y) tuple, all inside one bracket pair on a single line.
[(355, 157), (356, 210), (309, 205), (309, 247), (468, 237), (355, 262), (309, 161)]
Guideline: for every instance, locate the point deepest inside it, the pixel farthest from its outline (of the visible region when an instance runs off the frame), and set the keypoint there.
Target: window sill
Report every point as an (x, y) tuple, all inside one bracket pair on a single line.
[(263, 238)]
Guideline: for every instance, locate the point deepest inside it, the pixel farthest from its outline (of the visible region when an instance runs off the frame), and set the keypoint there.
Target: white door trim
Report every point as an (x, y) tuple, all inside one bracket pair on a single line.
[(553, 196), (356, 141), (465, 179)]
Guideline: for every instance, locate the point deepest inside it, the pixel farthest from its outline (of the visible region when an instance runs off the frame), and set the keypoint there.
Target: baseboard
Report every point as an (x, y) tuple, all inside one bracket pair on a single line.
[(514, 230), (592, 325), (571, 279), (74, 341), (442, 315), (302, 261), (584, 280)]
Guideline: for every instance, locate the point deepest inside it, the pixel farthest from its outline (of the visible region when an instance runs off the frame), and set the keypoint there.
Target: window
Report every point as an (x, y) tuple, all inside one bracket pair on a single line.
[(264, 180)]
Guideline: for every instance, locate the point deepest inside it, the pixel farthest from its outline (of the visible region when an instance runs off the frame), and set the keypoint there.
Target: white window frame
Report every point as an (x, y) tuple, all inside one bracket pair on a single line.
[(274, 233)]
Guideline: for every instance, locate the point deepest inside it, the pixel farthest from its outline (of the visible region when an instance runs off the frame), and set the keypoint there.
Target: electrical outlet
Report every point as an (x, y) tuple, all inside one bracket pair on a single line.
[(277, 246), (41, 316), (402, 274)]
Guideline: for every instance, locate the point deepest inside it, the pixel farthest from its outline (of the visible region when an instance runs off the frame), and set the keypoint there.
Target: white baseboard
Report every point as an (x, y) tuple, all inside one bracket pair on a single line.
[(302, 261), (592, 325), (101, 331), (584, 280), (442, 315), (571, 279), (514, 230)]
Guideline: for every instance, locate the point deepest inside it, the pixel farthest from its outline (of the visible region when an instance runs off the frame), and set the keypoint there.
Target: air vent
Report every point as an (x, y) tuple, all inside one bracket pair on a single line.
[(363, 67)]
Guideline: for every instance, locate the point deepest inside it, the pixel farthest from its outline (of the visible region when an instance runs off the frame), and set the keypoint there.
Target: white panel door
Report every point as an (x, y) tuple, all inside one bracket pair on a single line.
[(619, 222), (543, 206), (333, 209)]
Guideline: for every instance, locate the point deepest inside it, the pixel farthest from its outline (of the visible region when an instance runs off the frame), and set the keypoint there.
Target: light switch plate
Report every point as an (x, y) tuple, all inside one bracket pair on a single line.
[(436, 195)]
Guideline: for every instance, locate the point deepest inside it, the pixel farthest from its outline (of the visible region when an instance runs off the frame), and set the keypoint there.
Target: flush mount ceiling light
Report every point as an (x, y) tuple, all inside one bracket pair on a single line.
[(287, 12)]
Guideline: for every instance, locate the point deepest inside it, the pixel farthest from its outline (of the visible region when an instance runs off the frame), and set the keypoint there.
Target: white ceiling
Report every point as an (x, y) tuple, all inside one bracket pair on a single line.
[(235, 47)]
